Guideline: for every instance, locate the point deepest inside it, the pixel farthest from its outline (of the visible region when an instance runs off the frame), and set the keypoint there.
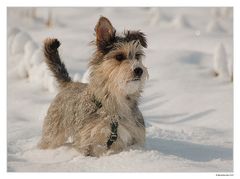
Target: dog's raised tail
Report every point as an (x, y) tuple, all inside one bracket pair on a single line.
[(54, 62)]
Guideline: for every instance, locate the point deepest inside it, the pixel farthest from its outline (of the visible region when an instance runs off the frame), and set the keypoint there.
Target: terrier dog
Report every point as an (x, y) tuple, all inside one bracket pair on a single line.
[(101, 117)]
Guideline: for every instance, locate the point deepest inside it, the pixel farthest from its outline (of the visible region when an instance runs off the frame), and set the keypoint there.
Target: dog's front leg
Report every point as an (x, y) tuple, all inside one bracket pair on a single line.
[(99, 136), (109, 136)]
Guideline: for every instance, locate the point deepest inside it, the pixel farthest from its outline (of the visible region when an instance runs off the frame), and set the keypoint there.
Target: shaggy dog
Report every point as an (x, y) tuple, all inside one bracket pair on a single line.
[(101, 117)]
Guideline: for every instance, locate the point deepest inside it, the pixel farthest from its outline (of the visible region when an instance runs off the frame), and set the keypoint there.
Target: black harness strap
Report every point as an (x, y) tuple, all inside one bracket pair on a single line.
[(114, 135), (114, 125)]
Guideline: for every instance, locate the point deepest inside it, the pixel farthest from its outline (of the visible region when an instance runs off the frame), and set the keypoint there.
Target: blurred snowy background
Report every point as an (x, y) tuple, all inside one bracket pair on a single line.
[(187, 102)]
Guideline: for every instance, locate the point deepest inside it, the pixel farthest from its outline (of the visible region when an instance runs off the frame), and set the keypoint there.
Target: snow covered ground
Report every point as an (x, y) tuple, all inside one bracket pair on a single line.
[(187, 102)]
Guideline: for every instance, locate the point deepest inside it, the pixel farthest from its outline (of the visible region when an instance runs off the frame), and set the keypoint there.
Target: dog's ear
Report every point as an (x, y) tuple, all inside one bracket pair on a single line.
[(105, 32), (136, 35)]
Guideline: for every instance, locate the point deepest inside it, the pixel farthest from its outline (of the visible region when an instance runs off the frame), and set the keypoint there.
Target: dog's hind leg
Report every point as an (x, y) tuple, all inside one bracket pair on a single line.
[(53, 135)]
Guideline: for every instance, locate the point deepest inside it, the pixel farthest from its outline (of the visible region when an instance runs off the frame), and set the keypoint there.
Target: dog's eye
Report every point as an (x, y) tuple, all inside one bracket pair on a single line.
[(120, 57), (138, 56)]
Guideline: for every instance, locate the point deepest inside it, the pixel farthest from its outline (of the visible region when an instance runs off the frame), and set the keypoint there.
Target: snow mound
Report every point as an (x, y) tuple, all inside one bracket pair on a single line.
[(77, 77), (216, 12), (222, 13), (31, 63), (85, 78), (49, 81), (29, 49), (220, 63), (215, 27), (25, 65), (12, 31), (181, 22), (21, 70), (156, 17), (227, 12), (40, 74), (37, 57), (19, 42), (230, 68)]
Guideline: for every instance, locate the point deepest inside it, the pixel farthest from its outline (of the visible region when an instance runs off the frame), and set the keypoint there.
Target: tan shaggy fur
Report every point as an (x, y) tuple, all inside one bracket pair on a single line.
[(86, 112)]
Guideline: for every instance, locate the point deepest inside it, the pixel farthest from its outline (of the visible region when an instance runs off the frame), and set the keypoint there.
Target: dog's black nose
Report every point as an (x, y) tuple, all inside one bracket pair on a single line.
[(138, 72)]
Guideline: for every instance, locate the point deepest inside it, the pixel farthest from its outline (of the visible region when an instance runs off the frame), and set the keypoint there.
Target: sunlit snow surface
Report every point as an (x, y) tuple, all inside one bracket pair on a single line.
[(187, 109)]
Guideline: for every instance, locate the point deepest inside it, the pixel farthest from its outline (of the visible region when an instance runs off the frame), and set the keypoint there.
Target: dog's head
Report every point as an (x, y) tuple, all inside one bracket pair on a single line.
[(117, 64)]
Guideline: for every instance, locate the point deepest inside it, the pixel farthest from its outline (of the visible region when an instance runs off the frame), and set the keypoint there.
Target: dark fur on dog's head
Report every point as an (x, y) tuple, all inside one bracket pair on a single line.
[(106, 36)]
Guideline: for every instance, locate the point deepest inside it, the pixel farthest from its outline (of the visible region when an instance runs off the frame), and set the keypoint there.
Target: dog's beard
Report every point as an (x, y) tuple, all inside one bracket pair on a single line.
[(132, 86)]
